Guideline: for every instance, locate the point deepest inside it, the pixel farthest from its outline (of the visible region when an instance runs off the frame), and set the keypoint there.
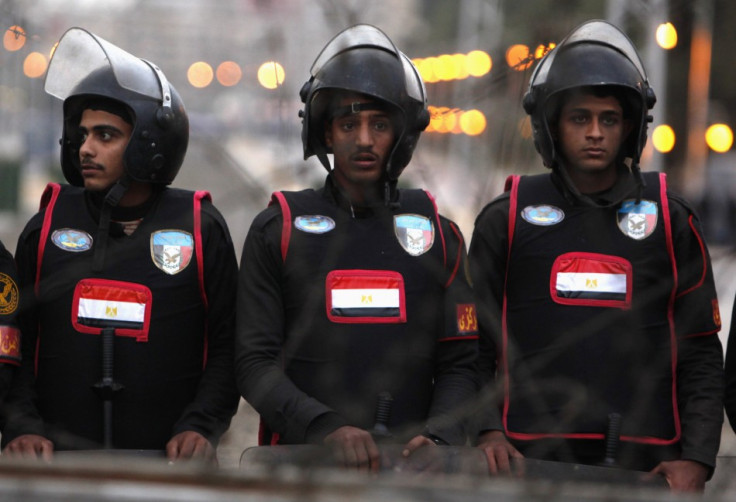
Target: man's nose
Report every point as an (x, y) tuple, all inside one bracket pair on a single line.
[(365, 135)]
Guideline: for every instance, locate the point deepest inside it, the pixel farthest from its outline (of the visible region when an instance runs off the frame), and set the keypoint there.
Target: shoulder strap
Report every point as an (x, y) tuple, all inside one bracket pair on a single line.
[(198, 197), (279, 198), (48, 201)]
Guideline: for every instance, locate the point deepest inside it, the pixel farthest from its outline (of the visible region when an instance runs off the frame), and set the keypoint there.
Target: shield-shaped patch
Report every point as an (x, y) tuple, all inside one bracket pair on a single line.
[(171, 250), (415, 233), (637, 221)]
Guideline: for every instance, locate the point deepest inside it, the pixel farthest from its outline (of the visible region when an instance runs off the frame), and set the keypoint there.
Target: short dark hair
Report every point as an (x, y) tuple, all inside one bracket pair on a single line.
[(107, 105)]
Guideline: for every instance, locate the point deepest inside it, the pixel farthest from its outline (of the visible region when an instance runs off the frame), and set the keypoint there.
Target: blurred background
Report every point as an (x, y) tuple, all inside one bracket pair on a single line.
[(239, 65)]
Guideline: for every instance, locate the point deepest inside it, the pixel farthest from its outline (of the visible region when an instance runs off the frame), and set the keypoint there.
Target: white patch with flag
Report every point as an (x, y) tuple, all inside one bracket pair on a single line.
[(591, 279), (365, 296), (124, 306)]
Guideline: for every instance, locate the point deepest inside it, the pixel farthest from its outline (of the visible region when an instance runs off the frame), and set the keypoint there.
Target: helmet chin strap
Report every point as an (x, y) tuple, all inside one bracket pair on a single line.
[(112, 199)]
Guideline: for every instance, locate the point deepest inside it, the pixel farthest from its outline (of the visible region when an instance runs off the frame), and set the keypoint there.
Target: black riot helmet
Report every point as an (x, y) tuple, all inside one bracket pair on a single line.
[(363, 60), (595, 54), (86, 68)]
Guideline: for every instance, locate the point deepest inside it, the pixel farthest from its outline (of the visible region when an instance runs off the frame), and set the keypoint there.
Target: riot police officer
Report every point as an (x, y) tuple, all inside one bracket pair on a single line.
[(9, 333), (354, 294), (132, 282), (598, 311)]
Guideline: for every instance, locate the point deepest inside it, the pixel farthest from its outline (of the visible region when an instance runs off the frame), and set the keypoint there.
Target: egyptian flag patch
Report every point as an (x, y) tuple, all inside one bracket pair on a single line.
[(591, 279), (637, 221), (172, 250), (124, 306), (414, 232), (365, 296), (10, 345)]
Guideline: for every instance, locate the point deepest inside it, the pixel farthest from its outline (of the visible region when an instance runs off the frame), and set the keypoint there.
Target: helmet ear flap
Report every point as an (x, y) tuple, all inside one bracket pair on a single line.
[(529, 102), (422, 120)]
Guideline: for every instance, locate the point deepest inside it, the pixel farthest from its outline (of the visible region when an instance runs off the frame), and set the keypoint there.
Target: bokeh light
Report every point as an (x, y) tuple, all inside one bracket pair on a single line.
[(200, 74), (229, 73), (517, 57), (34, 65), (271, 75), (663, 138), (445, 120), (14, 38), (479, 63), (666, 36), (473, 122), (719, 138)]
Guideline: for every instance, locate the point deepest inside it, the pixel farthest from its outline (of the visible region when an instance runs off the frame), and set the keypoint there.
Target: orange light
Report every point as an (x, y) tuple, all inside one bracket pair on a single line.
[(34, 65), (14, 38), (517, 57), (229, 73)]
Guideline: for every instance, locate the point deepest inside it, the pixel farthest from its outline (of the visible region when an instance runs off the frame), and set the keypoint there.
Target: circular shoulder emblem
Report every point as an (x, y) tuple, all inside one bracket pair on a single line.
[(543, 215), (72, 240), (8, 294), (314, 224)]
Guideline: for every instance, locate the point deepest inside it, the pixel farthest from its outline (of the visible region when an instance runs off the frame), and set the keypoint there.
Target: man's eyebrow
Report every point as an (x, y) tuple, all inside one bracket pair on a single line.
[(102, 128)]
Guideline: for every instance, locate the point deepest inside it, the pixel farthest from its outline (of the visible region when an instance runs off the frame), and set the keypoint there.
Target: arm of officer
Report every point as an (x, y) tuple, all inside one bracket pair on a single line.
[(207, 417), (455, 375), (260, 336), (700, 378), (19, 415)]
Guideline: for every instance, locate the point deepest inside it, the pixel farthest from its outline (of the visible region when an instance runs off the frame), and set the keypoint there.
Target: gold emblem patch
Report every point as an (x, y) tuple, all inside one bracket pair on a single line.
[(8, 295)]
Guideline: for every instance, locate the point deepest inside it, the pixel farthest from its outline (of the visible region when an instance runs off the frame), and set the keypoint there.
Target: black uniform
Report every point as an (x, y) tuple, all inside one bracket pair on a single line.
[(337, 305), (167, 288), (9, 333), (597, 310), (730, 397)]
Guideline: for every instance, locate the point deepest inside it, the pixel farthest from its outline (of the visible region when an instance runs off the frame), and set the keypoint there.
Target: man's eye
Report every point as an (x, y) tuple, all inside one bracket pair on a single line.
[(609, 121), (380, 126)]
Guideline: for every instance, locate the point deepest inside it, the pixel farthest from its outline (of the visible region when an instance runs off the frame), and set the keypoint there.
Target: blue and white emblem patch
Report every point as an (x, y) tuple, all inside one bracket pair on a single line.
[(543, 215), (72, 240), (172, 250), (314, 223), (415, 233), (637, 221)]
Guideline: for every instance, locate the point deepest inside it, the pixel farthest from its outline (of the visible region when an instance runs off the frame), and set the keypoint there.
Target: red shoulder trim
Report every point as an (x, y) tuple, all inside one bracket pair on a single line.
[(48, 201), (199, 196), (286, 226)]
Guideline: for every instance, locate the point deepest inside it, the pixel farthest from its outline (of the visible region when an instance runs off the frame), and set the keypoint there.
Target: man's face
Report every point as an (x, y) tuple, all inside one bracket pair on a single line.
[(590, 132), (104, 137), (361, 142)]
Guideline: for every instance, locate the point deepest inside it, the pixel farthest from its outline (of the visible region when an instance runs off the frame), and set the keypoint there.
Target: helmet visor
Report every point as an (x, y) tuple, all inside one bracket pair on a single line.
[(79, 53)]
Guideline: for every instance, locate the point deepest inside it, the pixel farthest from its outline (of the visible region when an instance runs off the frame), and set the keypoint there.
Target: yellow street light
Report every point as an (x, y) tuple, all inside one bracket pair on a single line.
[(666, 36), (663, 138), (271, 75), (719, 138)]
